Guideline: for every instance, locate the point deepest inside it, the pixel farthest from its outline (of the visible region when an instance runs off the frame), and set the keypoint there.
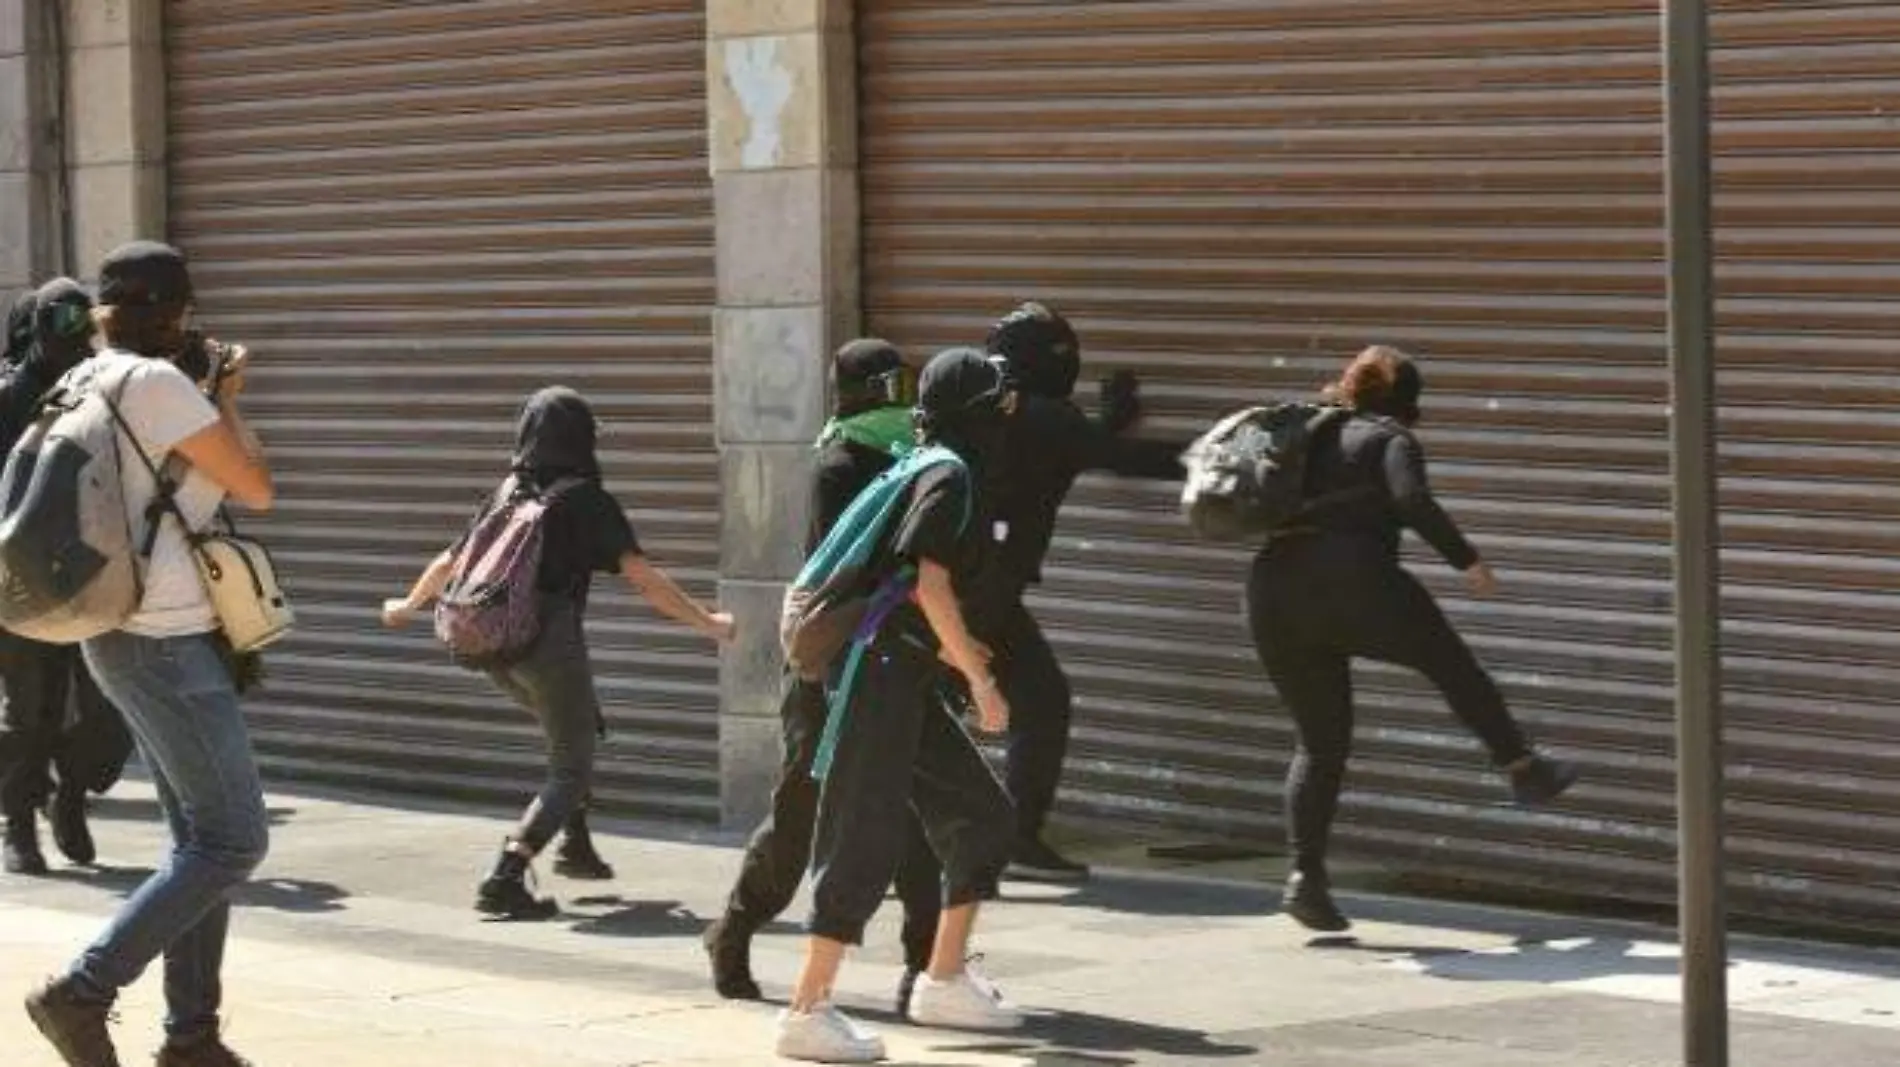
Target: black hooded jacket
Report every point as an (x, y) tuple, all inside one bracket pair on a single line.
[(1050, 443), (38, 354), (585, 531)]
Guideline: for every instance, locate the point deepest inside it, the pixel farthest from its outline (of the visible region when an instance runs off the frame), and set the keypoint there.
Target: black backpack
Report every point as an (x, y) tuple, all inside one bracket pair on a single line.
[(1246, 477)]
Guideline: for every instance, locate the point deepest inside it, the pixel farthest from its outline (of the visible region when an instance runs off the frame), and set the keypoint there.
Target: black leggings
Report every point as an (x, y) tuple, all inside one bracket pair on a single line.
[(902, 751), (1312, 610), (556, 683), (38, 682)]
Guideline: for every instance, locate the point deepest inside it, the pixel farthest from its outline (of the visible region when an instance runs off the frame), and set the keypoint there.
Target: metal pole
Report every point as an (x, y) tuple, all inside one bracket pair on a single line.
[(1697, 567)]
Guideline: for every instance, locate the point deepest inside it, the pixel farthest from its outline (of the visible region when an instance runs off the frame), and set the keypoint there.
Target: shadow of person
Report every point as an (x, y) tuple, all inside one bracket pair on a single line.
[(146, 809), (296, 895), (1157, 897), (647, 918), (120, 880), (1531, 960), (1075, 1037)]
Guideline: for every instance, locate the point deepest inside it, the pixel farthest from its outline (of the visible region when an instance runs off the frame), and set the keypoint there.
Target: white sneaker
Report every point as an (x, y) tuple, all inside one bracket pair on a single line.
[(967, 1002), (826, 1035)]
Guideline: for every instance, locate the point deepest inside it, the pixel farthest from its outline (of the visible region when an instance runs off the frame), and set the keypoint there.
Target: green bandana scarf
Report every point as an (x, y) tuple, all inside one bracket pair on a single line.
[(886, 430)]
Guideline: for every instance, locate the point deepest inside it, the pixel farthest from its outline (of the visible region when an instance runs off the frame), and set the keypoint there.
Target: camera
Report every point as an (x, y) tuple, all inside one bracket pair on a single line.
[(204, 360)]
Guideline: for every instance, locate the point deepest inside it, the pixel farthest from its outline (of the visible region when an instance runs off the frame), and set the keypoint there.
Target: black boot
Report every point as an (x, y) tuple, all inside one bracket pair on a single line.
[(504, 894), (576, 857), (1309, 902), (1542, 780), (67, 813), (20, 849), (730, 950)]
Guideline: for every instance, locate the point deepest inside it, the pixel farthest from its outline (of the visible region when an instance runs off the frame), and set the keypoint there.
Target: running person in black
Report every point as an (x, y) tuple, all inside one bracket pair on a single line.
[(59, 736), (870, 426), (1050, 443), (901, 754), (1331, 588), (584, 532)]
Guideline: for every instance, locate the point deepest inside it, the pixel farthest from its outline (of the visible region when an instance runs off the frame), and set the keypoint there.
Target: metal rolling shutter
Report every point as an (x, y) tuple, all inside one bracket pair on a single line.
[(1232, 197), (416, 214)]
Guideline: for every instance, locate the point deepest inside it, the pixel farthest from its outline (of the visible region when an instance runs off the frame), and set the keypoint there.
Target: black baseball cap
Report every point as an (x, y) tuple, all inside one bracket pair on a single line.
[(865, 360), (144, 273)]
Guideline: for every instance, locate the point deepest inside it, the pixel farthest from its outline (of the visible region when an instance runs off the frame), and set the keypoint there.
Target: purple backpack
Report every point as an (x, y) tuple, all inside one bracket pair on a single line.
[(490, 613)]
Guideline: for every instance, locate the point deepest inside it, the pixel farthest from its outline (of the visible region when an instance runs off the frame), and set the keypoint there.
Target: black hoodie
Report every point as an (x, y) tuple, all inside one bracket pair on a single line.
[(48, 333), (585, 531)]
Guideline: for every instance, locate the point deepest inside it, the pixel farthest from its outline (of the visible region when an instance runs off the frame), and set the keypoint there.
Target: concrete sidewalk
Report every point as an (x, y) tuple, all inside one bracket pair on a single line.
[(357, 947)]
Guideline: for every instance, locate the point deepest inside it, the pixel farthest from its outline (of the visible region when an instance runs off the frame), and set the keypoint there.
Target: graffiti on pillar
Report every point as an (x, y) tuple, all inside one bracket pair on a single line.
[(755, 68)]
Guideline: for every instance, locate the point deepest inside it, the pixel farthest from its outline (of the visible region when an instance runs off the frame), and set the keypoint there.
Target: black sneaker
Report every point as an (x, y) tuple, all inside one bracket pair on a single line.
[(576, 857), (731, 956), (204, 1050), (1309, 902), (1542, 780), (20, 849), (510, 899), (1034, 861), (67, 813), (75, 1025)]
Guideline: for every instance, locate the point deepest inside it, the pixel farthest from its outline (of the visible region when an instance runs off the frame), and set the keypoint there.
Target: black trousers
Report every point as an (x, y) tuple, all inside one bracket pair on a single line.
[(779, 852), (1041, 706), (903, 758), (54, 723), (1313, 607)]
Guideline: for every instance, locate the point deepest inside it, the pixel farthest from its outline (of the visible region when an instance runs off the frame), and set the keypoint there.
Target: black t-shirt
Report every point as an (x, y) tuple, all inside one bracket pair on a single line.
[(583, 532), (844, 469), (929, 525)]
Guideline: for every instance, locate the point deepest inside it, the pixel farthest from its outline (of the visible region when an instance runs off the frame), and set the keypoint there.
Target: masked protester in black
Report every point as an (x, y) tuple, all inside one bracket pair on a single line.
[(901, 754), (1330, 588), (1050, 442), (59, 735), (584, 532), (870, 426)]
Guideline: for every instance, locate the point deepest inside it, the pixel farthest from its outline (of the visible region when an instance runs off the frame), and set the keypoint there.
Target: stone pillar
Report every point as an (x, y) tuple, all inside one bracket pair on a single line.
[(30, 247), (115, 149), (781, 88)]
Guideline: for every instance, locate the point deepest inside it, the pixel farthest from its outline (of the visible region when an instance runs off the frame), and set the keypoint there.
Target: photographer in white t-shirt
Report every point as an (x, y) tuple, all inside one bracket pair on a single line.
[(165, 671)]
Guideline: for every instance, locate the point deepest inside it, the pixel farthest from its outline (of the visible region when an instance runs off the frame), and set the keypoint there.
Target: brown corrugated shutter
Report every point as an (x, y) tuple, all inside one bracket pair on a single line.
[(417, 214), (1232, 197)]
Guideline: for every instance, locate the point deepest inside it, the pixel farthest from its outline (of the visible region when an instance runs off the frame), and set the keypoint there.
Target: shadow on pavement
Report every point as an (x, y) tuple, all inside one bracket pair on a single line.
[(1526, 960), (648, 918), (295, 895), (1055, 1038), (145, 809), (1142, 896)]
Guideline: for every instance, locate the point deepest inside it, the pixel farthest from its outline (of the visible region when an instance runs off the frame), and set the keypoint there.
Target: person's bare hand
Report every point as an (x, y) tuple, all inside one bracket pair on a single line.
[(1480, 580), (992, 710), (398, 613), (721, 627), (231, 376)]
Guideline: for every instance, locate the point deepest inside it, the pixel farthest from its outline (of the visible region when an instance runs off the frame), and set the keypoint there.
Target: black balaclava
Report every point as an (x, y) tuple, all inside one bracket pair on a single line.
[(859, 371), (20, 326), (62, 326), (555, 437), (960, 404), (1041, 347)]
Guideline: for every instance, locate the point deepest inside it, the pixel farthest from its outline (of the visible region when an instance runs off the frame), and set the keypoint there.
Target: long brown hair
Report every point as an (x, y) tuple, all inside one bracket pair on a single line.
[(156, 330), (1380, 381)]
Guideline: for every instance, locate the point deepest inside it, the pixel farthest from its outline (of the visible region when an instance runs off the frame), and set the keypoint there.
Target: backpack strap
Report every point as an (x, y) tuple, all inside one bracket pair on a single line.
[(164, 487)]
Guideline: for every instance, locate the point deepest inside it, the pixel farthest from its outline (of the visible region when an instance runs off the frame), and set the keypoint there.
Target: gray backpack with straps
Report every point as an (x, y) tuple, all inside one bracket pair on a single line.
[(71, 561)]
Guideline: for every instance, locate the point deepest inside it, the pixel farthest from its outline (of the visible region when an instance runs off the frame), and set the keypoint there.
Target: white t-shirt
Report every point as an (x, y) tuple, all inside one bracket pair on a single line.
[(163, 407)]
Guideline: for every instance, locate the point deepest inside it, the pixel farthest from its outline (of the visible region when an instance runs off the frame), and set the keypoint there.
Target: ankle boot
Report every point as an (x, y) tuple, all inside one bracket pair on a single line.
[(20, 849), (1309, 902), (504, 894), (67, 813), (576, 857)]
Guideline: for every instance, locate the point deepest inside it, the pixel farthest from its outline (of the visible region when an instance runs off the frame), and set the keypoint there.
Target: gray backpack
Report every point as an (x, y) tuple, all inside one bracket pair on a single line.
[(69, 567)]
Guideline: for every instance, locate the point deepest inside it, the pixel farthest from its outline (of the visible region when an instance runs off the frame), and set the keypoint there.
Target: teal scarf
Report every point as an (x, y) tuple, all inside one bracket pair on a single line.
[(887, 430)]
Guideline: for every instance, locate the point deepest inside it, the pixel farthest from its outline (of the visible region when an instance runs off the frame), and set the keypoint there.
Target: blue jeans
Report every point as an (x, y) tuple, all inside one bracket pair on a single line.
[(179, 703)]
